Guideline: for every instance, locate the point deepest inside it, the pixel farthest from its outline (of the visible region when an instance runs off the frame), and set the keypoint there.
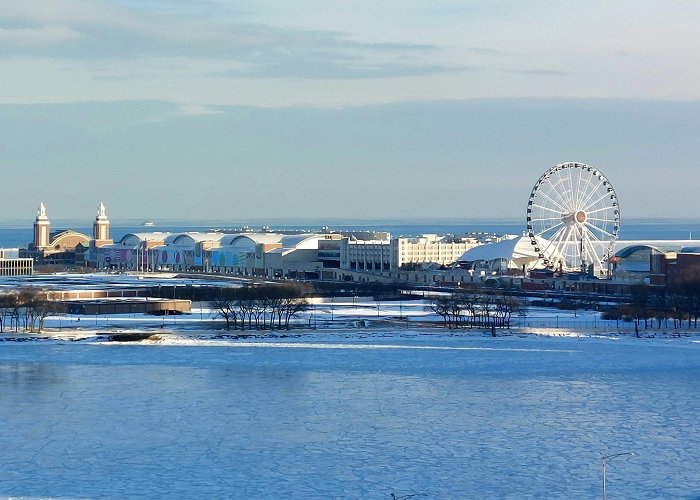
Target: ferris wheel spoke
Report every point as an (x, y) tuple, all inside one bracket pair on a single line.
[(572, 191), (542, 233), (579, 188), (553, 198), (597, 228), (557, 190), (569, 248), (551, 241), (600, 248), (589, 212), (595, 187), (600, 241), (558, 212), (589, 189), (607, 221), (595, 203), (566, 190), (556, 241), (611, 235), (560, 189), (595, 259), (561, 243), (604, 245), (595, 236), (540, 219), (554, 202), (586, 203)]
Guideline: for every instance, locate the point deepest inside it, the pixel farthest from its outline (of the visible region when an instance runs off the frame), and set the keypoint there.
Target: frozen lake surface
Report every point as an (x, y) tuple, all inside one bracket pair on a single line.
[(345, 415)]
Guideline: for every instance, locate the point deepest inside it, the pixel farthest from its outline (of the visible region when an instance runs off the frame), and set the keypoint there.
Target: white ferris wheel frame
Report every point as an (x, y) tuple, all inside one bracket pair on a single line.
[(573, 219)]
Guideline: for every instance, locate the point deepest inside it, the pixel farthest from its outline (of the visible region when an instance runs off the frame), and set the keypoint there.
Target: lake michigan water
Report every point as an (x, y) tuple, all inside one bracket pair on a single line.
[(450, 417)]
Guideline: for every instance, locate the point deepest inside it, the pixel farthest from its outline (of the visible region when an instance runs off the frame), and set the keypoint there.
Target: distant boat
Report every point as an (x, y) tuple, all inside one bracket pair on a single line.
[(148, 223)]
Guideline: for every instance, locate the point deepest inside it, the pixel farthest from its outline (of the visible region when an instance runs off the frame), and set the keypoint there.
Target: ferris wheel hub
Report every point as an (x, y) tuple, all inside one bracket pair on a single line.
[(581, 217)]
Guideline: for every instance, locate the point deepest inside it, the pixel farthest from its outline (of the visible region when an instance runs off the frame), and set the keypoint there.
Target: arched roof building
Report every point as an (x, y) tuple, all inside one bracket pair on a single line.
[(68, 240), (638, 260), (511, 253), (262, 250), (190, 239), (625, 248), (134, 239), (632, 259)]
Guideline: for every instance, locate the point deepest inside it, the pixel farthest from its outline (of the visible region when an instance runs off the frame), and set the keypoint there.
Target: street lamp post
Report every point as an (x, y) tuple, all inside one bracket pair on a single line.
[(606, 459)]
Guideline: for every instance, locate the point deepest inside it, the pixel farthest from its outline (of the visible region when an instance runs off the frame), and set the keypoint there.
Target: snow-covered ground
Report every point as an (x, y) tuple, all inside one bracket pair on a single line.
[(347, 411), (341, 314)]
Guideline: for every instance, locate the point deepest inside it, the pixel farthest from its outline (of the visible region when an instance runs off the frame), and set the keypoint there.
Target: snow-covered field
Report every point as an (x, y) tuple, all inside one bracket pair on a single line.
[(348, 313), (349, 413)]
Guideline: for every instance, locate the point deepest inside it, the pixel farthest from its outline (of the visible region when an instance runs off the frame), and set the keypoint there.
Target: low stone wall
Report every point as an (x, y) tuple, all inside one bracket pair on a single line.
[(118, 306)]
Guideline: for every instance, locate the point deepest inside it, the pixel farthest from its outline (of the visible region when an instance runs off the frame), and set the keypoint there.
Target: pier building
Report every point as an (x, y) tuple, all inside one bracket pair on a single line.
[(11, 264), (326, 255), (64, 246)]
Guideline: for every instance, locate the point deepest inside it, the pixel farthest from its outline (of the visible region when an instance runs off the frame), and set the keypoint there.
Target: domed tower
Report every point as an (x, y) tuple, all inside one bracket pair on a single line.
[(100, 228), (42, 229)]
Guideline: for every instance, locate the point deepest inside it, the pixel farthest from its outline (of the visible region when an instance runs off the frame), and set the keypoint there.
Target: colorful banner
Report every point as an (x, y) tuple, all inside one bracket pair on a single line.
[(116, 256), (173, 257), (228, 258)]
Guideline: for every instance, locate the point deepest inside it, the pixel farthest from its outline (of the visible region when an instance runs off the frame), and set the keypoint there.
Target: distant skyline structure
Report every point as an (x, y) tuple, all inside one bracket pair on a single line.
[(300, 109)]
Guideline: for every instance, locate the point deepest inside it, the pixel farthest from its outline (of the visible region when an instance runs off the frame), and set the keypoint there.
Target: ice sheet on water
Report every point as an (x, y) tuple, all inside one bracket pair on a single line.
[(328, 343)]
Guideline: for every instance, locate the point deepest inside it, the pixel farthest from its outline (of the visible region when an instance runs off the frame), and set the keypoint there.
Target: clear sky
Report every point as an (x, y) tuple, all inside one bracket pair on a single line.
[(355, 109)]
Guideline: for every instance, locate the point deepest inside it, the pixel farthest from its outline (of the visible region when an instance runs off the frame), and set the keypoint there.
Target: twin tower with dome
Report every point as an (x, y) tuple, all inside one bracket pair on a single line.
[(66, 245)]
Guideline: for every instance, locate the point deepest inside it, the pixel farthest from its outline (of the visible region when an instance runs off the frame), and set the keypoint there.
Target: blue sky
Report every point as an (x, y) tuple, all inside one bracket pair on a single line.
[(356, 109)]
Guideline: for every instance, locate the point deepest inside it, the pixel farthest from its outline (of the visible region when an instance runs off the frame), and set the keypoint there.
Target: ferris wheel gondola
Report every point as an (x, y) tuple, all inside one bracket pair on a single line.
[(573, 219)]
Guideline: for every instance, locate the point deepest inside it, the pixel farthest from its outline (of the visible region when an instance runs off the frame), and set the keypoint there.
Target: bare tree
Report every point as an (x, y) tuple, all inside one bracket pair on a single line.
[(507, 305), (44, 307), (224, 309), (441, 306), (8, 302), (292, 307), (640, 303), (31, 307)]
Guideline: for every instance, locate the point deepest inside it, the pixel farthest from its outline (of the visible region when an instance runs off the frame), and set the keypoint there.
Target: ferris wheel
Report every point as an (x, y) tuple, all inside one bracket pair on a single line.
[(573, 219)]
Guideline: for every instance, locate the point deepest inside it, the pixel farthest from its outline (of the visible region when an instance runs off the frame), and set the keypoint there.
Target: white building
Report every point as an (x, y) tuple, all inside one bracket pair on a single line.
[(515, 253), (429, 248), (366, 252), (11, 264)]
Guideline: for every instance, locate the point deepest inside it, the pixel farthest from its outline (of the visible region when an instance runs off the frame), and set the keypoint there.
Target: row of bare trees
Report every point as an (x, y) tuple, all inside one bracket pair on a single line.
[(479, 308), (26, 309), (260, 307), (675, 305)]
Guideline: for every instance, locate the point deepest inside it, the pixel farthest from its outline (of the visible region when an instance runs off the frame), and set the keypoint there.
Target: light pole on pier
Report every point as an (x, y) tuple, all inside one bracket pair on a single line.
[(606, 459)]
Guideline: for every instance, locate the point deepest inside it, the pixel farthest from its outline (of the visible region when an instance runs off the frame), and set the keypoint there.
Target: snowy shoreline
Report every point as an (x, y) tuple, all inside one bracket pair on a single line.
[(329, 336)]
